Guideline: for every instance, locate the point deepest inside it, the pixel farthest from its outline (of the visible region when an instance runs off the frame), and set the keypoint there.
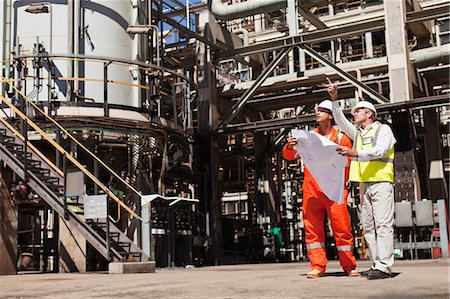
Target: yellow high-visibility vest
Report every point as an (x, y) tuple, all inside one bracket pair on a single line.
[(378, 170)]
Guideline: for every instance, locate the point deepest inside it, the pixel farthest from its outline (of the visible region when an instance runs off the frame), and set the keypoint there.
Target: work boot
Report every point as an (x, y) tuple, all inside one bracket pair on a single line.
[(315, 273), (351, 273), (377, 274), (366, 273)]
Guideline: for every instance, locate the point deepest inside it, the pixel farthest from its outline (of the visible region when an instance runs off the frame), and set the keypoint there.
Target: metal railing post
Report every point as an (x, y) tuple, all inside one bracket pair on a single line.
[(25, 150), (108, 241), (23, 108), (66, 214)]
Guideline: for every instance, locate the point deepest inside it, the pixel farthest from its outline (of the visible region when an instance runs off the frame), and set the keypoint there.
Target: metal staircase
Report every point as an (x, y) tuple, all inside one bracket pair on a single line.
[(47, 181)]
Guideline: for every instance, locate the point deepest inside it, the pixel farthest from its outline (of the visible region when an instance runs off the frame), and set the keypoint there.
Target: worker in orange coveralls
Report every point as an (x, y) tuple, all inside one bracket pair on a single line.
[(316, 204)]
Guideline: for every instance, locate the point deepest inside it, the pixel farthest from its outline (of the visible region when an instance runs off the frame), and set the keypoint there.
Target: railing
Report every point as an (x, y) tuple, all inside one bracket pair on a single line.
[(149, 89), (65, 153)]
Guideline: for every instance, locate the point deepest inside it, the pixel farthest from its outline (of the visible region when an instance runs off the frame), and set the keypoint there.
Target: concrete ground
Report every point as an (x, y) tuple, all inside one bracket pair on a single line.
[(414, 279)]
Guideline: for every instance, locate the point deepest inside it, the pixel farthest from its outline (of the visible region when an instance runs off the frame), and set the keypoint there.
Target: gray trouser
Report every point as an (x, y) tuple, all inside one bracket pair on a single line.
[(378, 223)]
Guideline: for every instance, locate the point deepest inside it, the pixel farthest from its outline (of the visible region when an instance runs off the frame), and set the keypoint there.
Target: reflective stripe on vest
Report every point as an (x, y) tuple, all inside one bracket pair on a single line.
[(344, 248), (377, 170), (315, 245)]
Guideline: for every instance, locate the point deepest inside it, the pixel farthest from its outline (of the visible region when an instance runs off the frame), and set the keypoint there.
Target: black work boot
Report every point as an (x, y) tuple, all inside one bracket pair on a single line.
[(366, 273), (377, 274)]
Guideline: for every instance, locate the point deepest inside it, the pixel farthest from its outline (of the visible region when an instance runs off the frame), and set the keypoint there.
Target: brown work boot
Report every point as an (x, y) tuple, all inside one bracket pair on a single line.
[(351, 273), (315, 273)]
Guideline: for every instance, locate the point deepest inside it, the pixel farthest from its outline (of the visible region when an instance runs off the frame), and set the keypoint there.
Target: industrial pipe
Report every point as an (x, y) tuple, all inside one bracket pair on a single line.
[(244, 9)]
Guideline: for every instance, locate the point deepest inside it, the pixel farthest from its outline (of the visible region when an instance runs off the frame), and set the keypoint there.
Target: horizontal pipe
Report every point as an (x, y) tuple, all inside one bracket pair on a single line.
[(244, 9)]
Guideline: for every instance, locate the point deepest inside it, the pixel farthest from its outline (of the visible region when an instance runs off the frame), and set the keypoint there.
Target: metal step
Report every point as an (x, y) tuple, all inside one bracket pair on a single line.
[(42, 171), (13, 146), (20, 154), (33, 163), (8, 139), (50, 180)]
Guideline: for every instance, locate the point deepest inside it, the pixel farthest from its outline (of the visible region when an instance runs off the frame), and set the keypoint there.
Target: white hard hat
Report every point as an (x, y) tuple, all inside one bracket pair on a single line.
[(365, 104), (327, 104)]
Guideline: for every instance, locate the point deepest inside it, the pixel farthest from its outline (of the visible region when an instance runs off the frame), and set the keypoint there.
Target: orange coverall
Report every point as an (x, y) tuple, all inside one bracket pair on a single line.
[(315, 205)]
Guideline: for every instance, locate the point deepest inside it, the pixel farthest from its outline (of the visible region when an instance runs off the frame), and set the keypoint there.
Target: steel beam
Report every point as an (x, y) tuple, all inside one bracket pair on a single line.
[(309, 37), (331, 33), (428, 14), (368, 90), (188, 32), (192, 10), (312, 18), (252, 90), (276, 124)]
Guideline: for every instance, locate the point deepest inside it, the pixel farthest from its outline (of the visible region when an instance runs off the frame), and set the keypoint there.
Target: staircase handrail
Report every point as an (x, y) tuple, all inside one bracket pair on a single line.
[(74, 139), (64, 152), (30, 145)]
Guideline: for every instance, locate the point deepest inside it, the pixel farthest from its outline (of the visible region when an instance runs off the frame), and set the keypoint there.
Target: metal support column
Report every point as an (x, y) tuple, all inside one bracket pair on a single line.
[(400, 69), (433, 155)]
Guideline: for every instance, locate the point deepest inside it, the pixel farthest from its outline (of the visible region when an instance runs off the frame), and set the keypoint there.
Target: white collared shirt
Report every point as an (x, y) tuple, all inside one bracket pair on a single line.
[(385, 140)]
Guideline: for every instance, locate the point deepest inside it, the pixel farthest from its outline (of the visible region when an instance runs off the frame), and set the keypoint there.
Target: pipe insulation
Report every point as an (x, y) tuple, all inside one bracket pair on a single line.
[(245, 39), (419, 58), (244, 9)]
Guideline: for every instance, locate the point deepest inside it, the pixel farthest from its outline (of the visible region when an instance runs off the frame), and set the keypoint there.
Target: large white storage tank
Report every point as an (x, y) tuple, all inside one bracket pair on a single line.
[(103, 24)]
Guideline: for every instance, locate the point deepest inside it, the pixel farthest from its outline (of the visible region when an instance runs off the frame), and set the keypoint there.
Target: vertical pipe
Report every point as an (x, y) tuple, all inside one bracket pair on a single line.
[(6, 42), (105, 89), (96, 169), (70, 45), (293, 30), (369, 44), (25, 148), (155, 33), (76, 41), (80, 48), (188, 19), (438, 34), (332, 42), (23, 108), (49, 86), (37, 71), (51, 29), (55, 242)]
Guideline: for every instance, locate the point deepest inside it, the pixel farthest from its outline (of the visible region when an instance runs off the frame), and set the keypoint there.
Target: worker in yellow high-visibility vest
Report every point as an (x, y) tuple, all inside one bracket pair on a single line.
[(372, 167)]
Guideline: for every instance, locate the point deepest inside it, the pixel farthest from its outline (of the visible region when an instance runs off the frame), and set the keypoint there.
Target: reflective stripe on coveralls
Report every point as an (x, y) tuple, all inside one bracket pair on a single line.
[(315, 205), (344, 248), (315, 245)]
